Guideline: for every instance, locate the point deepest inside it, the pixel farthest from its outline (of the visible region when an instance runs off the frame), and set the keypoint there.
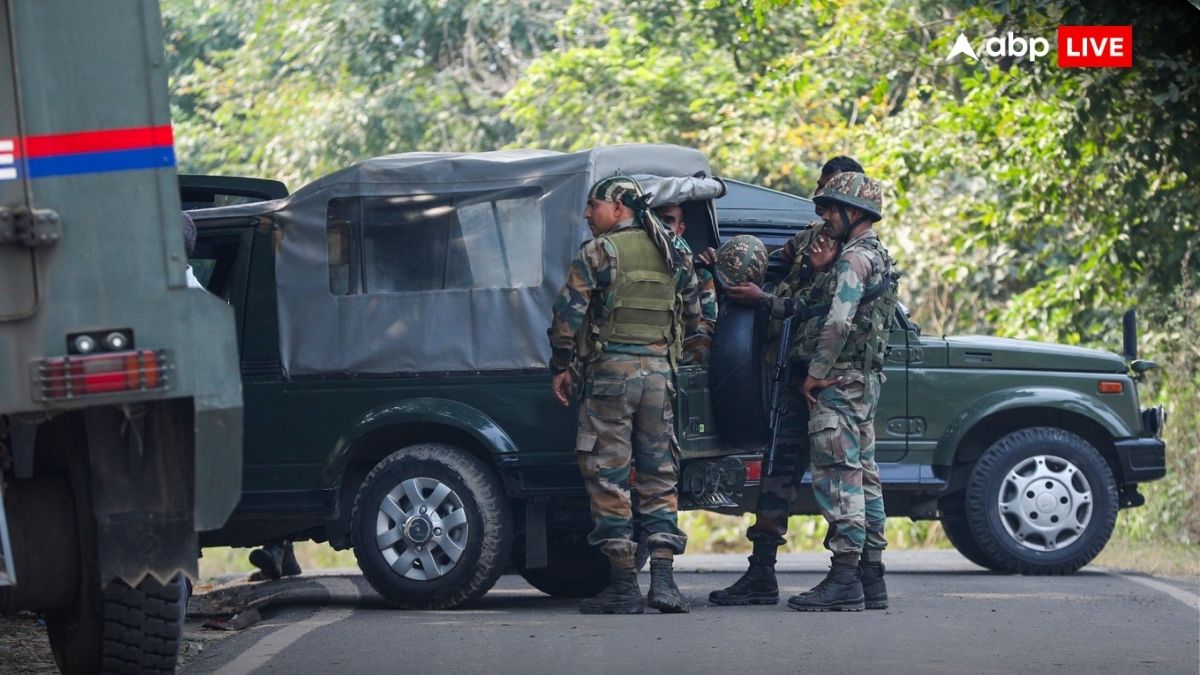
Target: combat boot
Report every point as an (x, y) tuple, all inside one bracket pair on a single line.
[(874, 588), (664, 595), (269, 561), (289, 567), (622, 595), (840, 591), (756, 587)]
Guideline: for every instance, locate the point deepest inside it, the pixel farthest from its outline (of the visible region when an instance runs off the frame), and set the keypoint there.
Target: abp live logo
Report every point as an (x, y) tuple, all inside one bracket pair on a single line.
[(1078, 47), (1095, 46)]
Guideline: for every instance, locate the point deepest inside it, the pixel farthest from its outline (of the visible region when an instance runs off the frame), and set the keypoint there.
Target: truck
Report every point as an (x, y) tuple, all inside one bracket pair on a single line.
[(120, 396)]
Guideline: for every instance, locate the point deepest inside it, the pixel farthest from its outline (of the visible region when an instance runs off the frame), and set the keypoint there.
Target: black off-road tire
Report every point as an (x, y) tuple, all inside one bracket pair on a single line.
[(122, 630), (488, 542), (737, 378), (1019, 449), (958, 531)]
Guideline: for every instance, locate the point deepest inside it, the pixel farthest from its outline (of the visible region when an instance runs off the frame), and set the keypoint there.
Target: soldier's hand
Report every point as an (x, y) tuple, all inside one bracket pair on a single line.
[(562, 384), (708, 256), (811, 384), (822, 252), (745, 293)]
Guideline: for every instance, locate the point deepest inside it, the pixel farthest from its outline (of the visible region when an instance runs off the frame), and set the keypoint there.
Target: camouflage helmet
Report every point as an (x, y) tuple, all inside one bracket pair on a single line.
[(613, 188), (742, 258), (853, 189)]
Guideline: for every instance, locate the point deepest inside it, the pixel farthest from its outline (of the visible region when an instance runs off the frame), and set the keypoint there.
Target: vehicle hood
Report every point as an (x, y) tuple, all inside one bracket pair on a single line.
[(978, 351)]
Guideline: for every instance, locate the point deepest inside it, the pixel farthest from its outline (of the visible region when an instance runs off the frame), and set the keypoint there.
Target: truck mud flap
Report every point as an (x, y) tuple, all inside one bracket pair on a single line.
[(142, 490)]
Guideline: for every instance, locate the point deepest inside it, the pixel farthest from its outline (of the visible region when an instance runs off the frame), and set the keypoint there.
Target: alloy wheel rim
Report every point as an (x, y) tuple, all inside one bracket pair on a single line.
[(421, 529), (1045, 503)]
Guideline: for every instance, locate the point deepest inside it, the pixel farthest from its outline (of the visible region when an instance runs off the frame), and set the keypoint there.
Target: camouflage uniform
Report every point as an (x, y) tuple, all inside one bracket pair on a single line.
[(626, 414), (697, 346), (777, 493), (841, 424), (849, 340)]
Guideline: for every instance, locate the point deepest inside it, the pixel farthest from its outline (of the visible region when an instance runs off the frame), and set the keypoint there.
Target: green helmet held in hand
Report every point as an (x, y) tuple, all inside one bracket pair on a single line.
[(855, 190), (742, 258)]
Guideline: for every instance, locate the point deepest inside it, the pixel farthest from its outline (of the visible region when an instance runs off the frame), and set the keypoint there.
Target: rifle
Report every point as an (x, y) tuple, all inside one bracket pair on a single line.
[(779, 382)]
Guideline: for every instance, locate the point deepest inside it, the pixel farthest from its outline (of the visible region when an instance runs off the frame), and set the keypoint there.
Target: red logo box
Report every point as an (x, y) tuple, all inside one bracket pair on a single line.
[(1095, 46)]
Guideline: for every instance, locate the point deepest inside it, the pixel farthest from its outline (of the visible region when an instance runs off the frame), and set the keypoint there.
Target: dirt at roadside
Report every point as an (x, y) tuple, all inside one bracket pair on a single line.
[(25, 648)]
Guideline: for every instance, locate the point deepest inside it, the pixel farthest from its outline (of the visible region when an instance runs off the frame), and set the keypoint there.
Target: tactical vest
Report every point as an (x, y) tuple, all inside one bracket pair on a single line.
[(642, 307), (883, 298), (794, 284)]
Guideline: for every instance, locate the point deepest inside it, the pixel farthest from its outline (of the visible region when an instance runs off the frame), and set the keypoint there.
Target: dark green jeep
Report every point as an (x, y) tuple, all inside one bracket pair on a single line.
[(392, 324), (392, 321)]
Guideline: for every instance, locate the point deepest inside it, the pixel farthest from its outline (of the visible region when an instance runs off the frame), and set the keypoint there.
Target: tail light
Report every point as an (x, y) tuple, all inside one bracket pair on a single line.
[(69, 377), (753, 469)]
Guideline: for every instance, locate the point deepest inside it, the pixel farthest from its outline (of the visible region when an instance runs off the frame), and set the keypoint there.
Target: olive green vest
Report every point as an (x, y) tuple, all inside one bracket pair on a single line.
[(871, 353), (642, 307)]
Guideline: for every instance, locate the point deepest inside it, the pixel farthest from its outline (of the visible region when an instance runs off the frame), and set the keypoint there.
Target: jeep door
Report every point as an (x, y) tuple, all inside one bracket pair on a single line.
[(892, 424)]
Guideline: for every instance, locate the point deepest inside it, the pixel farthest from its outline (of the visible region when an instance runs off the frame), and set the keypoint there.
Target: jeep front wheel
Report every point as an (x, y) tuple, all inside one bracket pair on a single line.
[(1041, 501), (958, 531), (431, 527)]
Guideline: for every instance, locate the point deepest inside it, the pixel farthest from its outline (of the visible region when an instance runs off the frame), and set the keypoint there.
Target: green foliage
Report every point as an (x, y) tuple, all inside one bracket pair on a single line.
[(299, 88), (714, 533)]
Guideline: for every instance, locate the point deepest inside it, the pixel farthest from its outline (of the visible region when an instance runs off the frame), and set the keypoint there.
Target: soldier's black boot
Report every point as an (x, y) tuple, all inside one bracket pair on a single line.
[(288, 566), (622, 595), (757, 586), (268, 560), (840, 591), (871, 570), (664, 595)]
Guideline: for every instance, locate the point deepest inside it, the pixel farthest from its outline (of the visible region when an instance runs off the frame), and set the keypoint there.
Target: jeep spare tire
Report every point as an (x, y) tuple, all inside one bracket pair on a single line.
[(737, 377), (431, 527)]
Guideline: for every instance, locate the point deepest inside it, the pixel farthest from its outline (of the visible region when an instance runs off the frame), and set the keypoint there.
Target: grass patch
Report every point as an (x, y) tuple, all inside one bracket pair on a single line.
[(1161, 559), (222, 560)]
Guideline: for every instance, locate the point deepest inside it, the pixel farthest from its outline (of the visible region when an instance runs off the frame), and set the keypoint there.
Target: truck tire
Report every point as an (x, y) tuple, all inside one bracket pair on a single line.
[(431, 527), (575, 568), (737, 379), (1041, 501), (958, 531), (122, 629)]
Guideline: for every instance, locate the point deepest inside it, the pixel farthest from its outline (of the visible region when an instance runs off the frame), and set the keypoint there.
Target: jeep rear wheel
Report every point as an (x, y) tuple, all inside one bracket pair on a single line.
[(574, 569), (431, 527), (1041, 501)]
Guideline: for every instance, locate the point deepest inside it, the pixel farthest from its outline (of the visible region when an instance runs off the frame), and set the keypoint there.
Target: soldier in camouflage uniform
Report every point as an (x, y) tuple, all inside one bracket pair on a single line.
[(842, 390), (697, 344), (809, 258), (630, 294)]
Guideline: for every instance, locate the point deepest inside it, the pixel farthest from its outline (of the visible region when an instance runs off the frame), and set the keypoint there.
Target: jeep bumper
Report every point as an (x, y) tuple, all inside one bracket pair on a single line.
[(1142, 459)]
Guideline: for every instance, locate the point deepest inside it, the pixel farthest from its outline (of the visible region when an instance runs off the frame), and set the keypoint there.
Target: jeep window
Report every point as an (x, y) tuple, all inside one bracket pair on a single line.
[(409, 243), (212, 261)]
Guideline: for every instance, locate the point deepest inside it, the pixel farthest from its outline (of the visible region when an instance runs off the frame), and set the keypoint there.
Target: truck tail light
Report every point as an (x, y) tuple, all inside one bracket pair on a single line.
[(68, 377), (1110, 387)]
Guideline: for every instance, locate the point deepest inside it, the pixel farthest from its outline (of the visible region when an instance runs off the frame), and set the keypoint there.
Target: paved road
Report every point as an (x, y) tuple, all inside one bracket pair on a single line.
[(947, 616)]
